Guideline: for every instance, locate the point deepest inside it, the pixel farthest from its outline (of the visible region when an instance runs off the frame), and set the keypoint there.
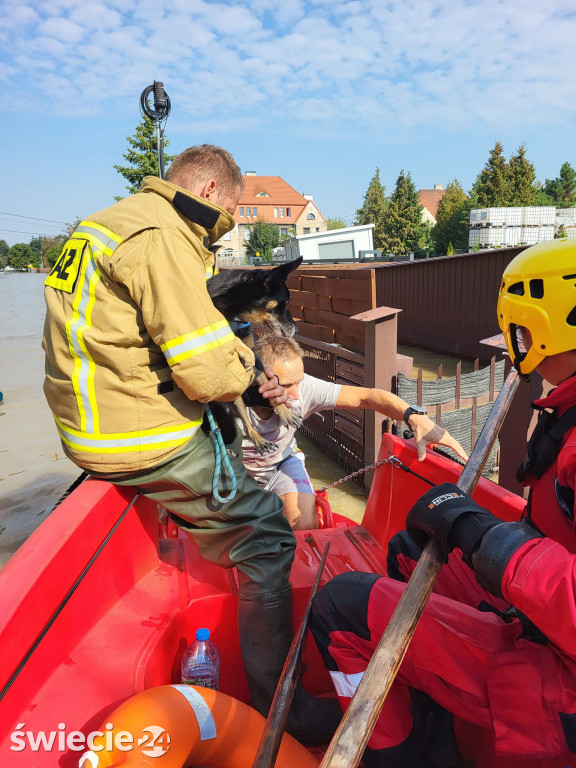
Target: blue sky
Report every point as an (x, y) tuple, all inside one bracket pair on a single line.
[(318, 92)]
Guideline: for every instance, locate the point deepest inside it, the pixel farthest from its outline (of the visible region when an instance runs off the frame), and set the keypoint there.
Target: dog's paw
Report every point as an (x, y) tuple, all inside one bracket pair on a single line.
[(288, 417), (266, 446)]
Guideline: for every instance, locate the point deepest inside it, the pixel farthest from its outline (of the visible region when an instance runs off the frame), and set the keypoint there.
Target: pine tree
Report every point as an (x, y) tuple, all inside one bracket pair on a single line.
[(521, 179), (452, 219), (373, 210), (562, 189), (142, 155), (491, 186), (404, 230)]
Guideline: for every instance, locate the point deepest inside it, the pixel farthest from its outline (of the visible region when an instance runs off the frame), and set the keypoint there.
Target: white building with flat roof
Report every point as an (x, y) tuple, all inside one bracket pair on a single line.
[(345, 243)]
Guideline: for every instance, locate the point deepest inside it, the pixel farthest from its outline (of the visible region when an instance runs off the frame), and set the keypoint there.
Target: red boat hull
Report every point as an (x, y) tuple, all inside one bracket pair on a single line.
[(102, 600)]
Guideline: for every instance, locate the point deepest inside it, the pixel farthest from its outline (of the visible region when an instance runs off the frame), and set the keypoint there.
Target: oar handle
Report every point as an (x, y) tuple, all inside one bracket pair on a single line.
[(350, 740)]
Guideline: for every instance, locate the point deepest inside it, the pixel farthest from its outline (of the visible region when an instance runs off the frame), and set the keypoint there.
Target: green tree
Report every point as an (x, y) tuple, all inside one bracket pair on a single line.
[(373, 210), (36, 244), (404, 229), (540, 196), (336, 223), (491, 187), (20, 256), (521, 179), (452, 219), (262, 239), (4, 250), (562, 189), (142, 155)]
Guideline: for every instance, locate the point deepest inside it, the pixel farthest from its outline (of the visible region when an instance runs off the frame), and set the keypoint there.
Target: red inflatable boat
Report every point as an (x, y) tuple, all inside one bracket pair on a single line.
[(97, 607)]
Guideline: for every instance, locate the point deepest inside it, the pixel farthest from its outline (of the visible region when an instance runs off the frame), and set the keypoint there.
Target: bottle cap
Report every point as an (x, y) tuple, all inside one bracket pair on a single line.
[(202, 634)]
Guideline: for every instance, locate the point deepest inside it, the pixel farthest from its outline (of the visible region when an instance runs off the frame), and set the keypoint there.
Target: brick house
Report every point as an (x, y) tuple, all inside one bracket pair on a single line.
[(274, 200), (430, 200)]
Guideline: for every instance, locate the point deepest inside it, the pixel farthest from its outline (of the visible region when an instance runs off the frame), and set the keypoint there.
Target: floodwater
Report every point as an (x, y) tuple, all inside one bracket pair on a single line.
[(34, 472)]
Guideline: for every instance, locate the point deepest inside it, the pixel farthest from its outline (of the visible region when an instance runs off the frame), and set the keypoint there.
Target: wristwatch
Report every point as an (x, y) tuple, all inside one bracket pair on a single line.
[(417, 410)]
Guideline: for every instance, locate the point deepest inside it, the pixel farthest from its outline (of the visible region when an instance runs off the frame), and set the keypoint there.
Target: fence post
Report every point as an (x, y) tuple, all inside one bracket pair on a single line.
[(380, 370)]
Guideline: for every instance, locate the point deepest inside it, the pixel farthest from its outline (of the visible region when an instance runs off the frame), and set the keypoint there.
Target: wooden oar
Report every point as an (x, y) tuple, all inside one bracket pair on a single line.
[(278, 715), (351, 738)]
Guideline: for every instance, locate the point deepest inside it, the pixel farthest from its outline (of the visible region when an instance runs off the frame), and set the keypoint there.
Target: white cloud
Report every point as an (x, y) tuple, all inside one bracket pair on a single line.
[(340, 64)]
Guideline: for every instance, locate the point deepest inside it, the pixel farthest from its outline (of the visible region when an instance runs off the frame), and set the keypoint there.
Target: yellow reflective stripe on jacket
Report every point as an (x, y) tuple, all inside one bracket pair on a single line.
[(127, 442), (84, 367), (100, 240), (195, 343)]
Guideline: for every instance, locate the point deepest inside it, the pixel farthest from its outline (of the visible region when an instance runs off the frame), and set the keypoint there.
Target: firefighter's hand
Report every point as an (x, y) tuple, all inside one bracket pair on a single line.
[(272, 391), (428, 433)]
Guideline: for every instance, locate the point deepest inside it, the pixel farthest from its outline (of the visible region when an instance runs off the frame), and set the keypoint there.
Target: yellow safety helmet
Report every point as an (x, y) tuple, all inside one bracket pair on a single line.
[(538, 292)]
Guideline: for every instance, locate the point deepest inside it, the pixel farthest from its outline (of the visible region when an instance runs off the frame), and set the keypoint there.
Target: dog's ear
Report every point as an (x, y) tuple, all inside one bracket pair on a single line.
[(280, 273)]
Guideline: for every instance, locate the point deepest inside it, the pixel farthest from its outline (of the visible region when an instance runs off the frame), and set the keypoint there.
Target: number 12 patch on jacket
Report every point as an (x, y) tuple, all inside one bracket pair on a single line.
[(65, 272)]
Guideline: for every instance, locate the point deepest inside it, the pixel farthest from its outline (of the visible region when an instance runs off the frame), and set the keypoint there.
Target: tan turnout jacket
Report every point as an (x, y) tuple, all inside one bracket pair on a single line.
[(133, 343)]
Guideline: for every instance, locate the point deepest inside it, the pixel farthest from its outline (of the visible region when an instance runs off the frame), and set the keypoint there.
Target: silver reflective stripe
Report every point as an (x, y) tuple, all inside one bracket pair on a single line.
[(200, 341), (76, 330), (201, 710), (107, 242), (102, 441), (346, 685)]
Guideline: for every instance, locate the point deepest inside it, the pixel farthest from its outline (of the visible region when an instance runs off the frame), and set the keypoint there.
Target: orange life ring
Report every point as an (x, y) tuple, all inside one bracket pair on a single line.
[(185, 725)]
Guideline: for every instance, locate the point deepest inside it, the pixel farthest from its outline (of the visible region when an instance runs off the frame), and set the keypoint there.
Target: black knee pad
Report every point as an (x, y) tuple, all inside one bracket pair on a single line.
[(342, 604)]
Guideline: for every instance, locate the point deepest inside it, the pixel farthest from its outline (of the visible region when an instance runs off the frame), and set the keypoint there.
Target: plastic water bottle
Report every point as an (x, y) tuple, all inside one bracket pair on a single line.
[(201, 662)]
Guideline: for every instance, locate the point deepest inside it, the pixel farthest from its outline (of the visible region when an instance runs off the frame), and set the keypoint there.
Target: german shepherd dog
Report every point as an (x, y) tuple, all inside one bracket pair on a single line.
[(257, 296)]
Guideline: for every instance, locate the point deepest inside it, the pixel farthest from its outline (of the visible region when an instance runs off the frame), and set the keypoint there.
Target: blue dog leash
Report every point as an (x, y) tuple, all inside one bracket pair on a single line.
[(221, 456)]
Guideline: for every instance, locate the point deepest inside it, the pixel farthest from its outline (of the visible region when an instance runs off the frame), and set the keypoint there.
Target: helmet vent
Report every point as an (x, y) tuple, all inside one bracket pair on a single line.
[(568, 277), (571, 319), (517, 289), (537, 288)]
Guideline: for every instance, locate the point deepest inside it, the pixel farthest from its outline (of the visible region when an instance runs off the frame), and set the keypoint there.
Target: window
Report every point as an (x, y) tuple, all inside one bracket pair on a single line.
[(275, 213), (241, 210), (281, 213), (316, 229), (310, 216), (283, 231), (288, 212), (247, 211), (262, 194), (306, 230), (254, 211)]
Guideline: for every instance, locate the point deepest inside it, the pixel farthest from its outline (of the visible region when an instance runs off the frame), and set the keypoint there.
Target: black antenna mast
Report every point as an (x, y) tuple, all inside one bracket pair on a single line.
[(157, 111)]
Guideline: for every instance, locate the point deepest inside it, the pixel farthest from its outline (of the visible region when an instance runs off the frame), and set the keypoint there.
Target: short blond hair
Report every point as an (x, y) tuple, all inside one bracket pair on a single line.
[(277, 348), (206, 161)]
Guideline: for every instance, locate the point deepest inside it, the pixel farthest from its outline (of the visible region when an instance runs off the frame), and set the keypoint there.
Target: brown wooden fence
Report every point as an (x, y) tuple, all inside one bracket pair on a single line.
[(448, 303)]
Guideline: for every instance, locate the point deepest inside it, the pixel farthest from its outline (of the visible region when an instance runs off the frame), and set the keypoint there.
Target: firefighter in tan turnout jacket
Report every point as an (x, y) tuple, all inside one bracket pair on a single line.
[(134, 348)]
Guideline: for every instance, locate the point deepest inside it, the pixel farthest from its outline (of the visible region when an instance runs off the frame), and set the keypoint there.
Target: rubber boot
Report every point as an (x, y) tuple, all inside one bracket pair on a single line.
[(265, 637)]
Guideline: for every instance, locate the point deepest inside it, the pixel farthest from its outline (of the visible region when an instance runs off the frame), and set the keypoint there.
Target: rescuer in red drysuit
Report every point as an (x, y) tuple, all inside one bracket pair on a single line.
[(496, 644)]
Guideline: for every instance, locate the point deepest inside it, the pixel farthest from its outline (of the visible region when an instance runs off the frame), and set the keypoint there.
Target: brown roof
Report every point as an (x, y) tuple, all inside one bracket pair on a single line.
[(278, 194), (430, 199)]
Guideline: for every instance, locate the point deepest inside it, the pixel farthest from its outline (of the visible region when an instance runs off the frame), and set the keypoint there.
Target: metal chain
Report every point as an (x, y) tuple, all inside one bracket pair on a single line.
[(389, 460)]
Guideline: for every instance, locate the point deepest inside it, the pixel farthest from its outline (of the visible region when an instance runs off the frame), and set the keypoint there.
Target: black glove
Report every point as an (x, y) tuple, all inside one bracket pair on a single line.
[(455, 520), (451, 517)]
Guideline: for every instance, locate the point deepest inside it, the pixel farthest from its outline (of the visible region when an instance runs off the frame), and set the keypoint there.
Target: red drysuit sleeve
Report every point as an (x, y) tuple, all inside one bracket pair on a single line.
[(540, 578)]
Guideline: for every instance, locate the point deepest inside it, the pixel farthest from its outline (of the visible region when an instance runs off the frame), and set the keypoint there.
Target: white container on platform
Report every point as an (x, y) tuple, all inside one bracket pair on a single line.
[(512, 235)]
